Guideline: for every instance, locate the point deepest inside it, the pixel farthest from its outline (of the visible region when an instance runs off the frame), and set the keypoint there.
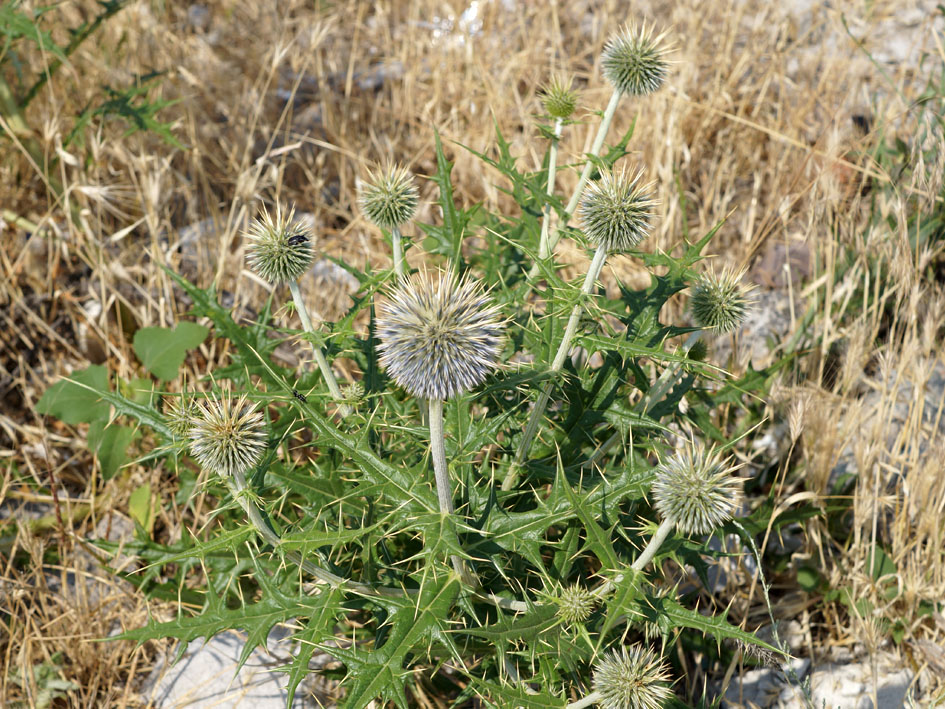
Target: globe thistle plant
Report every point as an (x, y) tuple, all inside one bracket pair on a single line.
[(617, 213), (228, 437), (280, 251), (631, 678), (696, 490), (634, 61), (389, 199), (440, 336), (721, 300), (559, 99), (617, 209)]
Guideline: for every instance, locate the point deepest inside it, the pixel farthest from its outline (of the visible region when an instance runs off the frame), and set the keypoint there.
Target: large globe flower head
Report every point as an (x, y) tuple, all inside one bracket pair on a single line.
[(617, 209), (634, 61), (696, 490), (439, 335), (228, 436), (631, 678), (280, 248)]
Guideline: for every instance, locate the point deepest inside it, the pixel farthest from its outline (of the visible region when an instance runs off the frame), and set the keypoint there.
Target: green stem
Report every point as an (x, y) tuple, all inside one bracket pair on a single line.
[(398, 252), (323, 365), (552, 162), (588, 166), (656, 541), (441, 473), (587, 701), (564, 347)]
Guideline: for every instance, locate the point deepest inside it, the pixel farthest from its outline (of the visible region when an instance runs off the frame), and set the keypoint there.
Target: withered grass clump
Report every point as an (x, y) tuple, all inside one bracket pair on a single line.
[(293, 103)]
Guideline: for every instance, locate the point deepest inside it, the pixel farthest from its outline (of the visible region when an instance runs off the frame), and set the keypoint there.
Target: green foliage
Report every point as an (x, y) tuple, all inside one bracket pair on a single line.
[(162, 350), (351, 501)]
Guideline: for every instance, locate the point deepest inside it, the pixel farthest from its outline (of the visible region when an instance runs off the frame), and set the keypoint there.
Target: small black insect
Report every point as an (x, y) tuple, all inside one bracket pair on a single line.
[(297, 240), (300, 397)]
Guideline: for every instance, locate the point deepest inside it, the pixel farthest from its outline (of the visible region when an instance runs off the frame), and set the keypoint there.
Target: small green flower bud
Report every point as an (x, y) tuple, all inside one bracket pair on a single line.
[(616, 210), (280, 249), (558, 98), (353, 392), (228, 437), (634, 61), (695, 490), (182, 412), (389, 198), (631, 678), (575, 604), (699, 351), (439, 336), (721, 301)]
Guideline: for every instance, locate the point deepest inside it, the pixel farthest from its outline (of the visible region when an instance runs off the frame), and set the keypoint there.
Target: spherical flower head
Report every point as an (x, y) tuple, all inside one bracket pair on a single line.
[(181, 414), (558, 98), (631, 678), (575, 604), (229, 436), (617, 209), (634, 61), (389, 198), (721, 301), (280, 249), (439, 335), (696, 490)]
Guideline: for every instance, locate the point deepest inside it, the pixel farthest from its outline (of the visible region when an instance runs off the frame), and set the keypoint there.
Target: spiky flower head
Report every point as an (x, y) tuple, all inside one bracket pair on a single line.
[(631, 678), (439, 335), (182, 412), (280, 248), (229, 436), (721, 300), (353, 392), (575, 604), (389, 197), (696, 490), (634, 61), (558, 98), (616, 210)]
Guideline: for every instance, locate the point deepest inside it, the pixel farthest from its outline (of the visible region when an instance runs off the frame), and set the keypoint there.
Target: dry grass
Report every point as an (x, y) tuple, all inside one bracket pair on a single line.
[(756, 126)]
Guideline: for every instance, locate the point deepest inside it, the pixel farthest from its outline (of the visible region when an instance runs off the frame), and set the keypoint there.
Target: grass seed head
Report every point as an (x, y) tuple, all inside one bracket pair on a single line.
[(634, 61), (721, 301), (696, 490), (616, 210), (389, 198), (631, 678), (439, 335), (280, 249), (558, 98), (229, 436)]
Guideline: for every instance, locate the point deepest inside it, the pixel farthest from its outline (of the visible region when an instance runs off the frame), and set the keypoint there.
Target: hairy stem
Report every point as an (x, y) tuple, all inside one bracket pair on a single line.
[(564, 347), (323, 365), (656, 541), (587, 701), (398, 245), (442, 475), (552, 164)]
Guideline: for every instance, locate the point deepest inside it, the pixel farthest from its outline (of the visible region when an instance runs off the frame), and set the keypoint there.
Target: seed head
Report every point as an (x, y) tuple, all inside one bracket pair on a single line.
[(558, 98), (575, 604), (721, 301), (389, 198), (229, 436), (280, 249), (439, 336), (182, 412), (616, 210), (634, 61), (696, 490), (631, 678)]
